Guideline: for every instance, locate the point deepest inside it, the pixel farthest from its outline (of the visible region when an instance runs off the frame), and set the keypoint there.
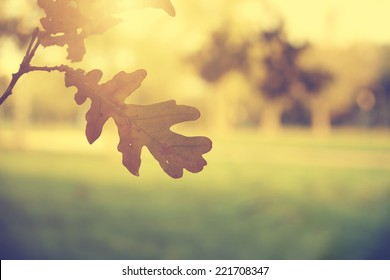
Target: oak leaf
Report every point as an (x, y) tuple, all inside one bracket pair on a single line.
[(139, 125), (69, 22)]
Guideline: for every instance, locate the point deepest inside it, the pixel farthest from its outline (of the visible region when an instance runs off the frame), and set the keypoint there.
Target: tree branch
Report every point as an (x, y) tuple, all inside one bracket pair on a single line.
[(25, 66)]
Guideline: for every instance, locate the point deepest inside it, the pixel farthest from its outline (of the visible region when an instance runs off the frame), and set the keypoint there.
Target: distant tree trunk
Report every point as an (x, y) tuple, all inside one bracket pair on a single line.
[(320, 117), (271, 118), (220, 110)]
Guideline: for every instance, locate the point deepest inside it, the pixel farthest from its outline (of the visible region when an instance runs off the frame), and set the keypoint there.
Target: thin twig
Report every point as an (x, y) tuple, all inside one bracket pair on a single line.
[(33, 50), (60, 68), (30, 52)]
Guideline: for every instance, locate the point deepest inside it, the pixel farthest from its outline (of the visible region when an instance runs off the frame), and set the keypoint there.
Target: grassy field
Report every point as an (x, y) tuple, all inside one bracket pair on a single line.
[(292, 197)]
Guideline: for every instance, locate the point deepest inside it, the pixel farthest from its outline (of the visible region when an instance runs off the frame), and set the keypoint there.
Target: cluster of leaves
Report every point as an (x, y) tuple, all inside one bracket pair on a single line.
[(69, 23), (220, 57)]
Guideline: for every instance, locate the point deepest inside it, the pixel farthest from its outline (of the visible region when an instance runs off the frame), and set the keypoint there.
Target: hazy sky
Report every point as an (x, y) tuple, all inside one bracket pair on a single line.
[(335, 21)]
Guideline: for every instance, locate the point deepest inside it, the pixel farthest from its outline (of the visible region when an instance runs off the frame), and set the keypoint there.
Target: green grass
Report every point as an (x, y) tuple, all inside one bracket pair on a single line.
[(288, 198)]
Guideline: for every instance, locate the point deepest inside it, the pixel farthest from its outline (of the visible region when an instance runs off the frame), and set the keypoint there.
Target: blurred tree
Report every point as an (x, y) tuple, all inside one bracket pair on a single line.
[(286, 79), (280, 76), (271, 66), (214, 63), (372, 100), (354, 72), (378, 103), (220, 57), (11, 27)]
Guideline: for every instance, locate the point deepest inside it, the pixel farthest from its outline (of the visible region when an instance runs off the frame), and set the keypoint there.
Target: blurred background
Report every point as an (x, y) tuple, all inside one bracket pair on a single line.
[(294, 94)]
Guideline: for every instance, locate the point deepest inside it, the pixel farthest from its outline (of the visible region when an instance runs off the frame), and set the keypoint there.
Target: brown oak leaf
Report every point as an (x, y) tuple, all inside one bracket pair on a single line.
[(139, 125), (69, 22)]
